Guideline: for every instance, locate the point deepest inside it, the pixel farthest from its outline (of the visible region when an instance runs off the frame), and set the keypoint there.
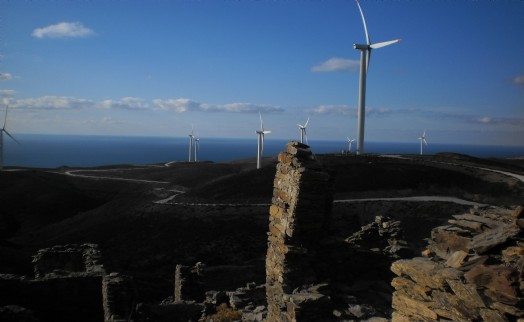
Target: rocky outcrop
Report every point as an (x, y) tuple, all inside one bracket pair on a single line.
[(473, 271)]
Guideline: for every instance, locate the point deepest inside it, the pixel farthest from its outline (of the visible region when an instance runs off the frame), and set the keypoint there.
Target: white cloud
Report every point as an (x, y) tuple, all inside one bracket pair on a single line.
[(337, 64), (178, 105), (5, 76), (241, 108), (129, 103), (63, 30), (485, 120), (184, 105), (7, 92), (53, 102), (334, 109), (518, 80)]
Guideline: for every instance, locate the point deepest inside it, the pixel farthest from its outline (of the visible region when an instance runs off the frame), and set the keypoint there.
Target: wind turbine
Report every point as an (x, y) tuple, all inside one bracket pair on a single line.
[(303, 131), (350, 143), (365, 55), (261, 134), (2, 131), (197, 147), (422, 139), (191, 137)]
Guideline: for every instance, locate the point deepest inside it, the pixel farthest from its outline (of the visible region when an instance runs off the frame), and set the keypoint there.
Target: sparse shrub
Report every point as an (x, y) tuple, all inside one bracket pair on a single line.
[(225, 314)]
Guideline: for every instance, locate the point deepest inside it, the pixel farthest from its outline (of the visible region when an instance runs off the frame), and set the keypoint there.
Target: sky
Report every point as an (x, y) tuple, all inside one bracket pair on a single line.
[(159, 68)]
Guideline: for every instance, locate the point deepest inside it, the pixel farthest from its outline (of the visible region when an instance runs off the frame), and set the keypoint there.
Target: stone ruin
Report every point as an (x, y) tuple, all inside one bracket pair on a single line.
[(70, 284), (472, 270)]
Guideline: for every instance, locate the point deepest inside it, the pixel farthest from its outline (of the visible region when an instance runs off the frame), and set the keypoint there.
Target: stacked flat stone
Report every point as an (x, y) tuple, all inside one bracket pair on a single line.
[(119, 297), (301, 203), (473, 271), (66, 259)]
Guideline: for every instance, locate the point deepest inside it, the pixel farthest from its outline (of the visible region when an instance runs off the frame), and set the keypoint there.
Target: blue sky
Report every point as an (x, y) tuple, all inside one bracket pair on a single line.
[(156, 68)]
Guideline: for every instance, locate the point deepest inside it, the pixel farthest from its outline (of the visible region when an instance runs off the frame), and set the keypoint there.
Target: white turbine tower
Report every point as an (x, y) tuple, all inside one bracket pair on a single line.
[(2, 131), (422, 140), (350, 143), (365, 55), (261, 134), (197, 148), (303, 131), (191, 137)]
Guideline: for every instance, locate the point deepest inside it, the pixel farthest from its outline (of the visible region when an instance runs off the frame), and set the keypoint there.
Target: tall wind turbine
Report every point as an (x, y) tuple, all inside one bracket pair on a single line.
[(191, 137), (197, 147), (303, 131), (422, 140), (350, 143), (261, 134), (365, 55), (2, 131)]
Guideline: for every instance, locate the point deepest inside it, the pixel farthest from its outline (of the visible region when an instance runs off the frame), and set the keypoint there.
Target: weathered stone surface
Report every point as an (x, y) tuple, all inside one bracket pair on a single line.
[(413, 308), (467, 293), (425, 272), (499, 279), (456, 259), (445, 242), (119, 296), (484, 283), (493, 237), (298, 215)]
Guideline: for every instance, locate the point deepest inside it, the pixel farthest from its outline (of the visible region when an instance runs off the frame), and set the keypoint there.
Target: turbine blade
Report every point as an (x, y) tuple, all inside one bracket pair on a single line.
[(347, 137), (266, 132), (5, 117), (261, 123), (425, 142), (364, 21), (305, 125), (383, 44), (10, 136), (262, 143)]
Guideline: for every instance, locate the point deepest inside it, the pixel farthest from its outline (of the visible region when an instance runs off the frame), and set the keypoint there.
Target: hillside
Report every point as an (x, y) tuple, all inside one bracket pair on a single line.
[(147, 240)]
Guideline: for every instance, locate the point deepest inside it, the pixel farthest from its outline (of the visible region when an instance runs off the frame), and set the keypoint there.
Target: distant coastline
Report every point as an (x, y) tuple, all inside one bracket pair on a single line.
[(52, 151)]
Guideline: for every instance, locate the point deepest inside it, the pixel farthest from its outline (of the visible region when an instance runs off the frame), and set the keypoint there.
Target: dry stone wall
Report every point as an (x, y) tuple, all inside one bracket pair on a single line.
[(473, 270), (299, 214)]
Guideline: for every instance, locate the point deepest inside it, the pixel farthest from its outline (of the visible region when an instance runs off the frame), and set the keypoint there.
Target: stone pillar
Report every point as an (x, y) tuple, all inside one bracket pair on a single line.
[(188, 283), (301, 204), (119, 296)]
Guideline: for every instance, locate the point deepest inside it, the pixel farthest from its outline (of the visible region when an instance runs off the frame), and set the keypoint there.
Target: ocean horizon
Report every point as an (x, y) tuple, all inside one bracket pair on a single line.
[(53, 151)]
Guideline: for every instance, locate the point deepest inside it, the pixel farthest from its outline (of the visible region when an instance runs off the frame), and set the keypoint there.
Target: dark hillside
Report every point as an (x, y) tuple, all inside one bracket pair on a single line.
[(254, 185), (31, 199)]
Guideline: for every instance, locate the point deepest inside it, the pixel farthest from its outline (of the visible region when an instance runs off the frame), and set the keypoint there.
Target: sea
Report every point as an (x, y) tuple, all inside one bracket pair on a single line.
[(54, 151)]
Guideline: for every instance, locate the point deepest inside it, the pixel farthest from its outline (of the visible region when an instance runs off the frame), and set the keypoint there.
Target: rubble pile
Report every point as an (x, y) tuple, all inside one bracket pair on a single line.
[(473, 270)]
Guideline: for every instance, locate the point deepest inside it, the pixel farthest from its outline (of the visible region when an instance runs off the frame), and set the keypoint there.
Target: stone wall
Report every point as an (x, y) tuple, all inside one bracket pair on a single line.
[(301, 205), (473, 271), (65, 259)]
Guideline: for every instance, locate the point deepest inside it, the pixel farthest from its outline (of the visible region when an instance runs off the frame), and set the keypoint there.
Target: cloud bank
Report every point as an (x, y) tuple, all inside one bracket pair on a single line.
[(181, 105), (178, 105), (336, 64), (63, 30)]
